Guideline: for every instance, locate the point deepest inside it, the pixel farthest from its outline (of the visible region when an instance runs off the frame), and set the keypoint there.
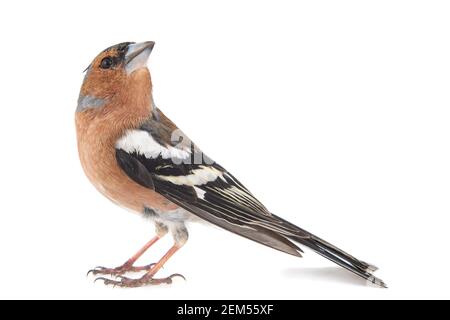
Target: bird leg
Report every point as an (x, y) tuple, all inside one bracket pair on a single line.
[(148, 278), (128, 265)]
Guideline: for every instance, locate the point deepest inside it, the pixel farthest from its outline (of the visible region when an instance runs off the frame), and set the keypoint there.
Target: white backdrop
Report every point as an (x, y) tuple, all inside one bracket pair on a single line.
[(334, 113)]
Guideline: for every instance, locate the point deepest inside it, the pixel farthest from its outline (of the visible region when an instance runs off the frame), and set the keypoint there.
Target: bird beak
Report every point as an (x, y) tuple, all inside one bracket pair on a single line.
[(137, 55)]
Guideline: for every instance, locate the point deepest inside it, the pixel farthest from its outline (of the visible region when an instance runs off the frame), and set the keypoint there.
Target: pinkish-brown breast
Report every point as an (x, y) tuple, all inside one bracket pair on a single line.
[(97, 135)]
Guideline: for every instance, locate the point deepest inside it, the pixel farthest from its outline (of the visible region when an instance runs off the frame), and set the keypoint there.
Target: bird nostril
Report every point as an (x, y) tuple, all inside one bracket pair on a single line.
[(123, 46)]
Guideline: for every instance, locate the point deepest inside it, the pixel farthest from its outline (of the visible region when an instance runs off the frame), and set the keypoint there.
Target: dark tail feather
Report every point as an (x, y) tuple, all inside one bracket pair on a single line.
[(341, 258), (336, 251)]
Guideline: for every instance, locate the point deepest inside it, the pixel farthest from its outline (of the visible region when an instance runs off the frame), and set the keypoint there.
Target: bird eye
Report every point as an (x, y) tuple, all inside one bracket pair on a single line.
[(106, 63)]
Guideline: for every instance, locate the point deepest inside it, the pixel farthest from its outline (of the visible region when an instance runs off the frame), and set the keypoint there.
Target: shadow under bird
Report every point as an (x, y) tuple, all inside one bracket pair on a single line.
[(138, 158)]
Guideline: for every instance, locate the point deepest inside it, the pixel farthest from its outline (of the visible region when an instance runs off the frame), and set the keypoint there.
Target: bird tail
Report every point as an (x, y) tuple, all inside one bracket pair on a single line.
[(338, 256)]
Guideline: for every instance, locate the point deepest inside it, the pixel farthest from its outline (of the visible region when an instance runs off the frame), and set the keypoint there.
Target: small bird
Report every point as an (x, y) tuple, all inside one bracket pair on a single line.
[(138, 158)]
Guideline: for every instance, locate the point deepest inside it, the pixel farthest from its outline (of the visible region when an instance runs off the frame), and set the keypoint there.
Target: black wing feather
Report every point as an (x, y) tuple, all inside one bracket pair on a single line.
[(224, 212), (134, 169)]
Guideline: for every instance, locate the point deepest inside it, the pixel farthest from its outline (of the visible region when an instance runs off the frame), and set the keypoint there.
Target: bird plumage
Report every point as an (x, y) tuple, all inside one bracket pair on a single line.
[(138, 158)]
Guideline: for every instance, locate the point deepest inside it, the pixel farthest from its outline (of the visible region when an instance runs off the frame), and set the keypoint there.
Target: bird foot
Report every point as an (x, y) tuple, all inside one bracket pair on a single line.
[(125, 282), (119, 270)]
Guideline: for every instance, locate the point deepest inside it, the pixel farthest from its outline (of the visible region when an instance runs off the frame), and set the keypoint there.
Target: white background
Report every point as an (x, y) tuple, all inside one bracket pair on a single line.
[(334, 113)]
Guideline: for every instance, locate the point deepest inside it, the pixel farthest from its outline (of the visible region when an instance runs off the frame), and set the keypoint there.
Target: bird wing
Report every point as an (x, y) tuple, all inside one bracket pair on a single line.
[(159, 156)]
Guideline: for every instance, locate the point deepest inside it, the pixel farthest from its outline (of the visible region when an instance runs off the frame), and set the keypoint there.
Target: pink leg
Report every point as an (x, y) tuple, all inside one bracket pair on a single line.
[(148, 278), (128, 265)]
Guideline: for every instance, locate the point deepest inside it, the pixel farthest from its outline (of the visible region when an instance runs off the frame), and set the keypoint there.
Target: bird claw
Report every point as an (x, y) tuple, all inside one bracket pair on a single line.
[(119, 270), (177, 275), (95, 271), (105, 280), (125, 282)]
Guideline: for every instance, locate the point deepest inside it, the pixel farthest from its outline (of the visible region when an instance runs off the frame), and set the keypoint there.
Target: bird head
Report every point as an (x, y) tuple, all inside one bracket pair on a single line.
[(118, 72)]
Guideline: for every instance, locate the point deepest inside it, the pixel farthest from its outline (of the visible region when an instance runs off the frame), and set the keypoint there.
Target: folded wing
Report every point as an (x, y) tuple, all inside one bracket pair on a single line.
[(159, 156)]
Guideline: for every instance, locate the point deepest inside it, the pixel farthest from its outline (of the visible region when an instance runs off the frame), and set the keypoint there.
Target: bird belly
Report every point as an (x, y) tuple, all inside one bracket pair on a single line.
[(175, 216)]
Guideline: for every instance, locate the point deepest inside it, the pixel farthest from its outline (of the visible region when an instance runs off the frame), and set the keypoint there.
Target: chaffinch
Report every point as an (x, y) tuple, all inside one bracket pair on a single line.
[(138, 158)]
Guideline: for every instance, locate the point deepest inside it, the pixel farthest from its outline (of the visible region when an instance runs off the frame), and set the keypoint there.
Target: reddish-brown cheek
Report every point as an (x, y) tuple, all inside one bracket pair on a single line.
[(103, 83)]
